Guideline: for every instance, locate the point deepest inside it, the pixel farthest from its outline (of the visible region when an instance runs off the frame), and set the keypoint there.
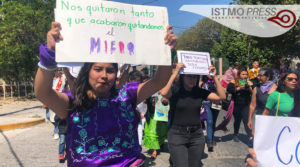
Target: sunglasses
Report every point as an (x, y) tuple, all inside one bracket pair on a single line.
[(291, 79)]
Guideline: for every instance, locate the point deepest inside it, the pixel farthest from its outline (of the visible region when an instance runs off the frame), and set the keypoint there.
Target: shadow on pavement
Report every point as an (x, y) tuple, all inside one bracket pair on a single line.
[(24, 109), (149, 162), (12, 150), (243, 138)]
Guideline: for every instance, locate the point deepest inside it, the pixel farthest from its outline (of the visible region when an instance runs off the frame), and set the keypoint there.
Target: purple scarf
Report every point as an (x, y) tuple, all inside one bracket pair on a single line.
[(266, 86)]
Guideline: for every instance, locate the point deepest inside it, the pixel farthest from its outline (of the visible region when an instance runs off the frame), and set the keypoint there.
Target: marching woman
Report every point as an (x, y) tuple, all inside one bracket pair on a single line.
[(241, 89), (251, 160), (155, 130), (208, 83), (185, 136), (102, 121), (261, 93), (281, 101)]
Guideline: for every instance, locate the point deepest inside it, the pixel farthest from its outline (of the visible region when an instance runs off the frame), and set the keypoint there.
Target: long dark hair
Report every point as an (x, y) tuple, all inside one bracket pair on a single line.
[(134, 75), (281, 85), (82, 90), (181, 82)]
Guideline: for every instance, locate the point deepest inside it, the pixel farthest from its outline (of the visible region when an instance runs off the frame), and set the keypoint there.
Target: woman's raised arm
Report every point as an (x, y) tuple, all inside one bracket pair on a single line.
[(162, 75), (58, 102), (220, 95), (166, 90)]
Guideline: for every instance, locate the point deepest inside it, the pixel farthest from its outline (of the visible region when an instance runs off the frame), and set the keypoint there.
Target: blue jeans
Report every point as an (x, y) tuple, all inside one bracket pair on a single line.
[(212, 115), (54, 123), (62, 143), (55, 127)]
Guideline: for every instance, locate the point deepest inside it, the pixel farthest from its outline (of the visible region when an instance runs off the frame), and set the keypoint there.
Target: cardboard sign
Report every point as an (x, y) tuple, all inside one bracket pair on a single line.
[(105, 31), (195, 62), (277, 141)]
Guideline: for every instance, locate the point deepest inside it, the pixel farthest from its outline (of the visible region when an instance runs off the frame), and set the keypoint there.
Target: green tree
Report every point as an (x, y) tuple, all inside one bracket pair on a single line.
[(23, 26), (200, 37), (245, 49), (237, 47)]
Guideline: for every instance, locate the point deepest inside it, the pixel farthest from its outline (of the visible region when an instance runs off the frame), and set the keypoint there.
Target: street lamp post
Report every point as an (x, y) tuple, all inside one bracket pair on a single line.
[(248, 54)]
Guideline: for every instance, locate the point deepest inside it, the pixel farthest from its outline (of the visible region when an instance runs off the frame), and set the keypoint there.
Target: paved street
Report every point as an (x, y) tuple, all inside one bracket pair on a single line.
[(34, 146)]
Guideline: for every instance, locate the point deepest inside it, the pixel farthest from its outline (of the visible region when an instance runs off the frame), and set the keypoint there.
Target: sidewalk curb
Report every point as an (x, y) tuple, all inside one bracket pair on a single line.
[(21, 124)]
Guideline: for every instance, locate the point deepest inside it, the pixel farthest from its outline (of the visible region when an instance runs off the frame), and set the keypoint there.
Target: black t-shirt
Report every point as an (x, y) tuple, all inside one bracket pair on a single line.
[(241, 97), (185, 106)]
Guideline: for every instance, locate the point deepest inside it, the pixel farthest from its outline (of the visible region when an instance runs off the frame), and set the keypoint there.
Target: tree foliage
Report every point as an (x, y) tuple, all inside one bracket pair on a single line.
[(245, 49), (23, 25), (200, 37), (237, 47)]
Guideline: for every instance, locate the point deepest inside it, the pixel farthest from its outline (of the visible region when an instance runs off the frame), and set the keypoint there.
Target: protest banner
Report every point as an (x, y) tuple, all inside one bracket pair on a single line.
[(105, 31), (195, 62), (277, 140)]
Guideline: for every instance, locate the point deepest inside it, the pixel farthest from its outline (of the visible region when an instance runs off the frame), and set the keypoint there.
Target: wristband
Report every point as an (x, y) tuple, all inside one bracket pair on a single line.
[(46, 68), (47, 56)]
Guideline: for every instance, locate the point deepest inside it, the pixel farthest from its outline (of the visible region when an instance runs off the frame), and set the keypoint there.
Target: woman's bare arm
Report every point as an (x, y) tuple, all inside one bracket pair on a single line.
[(166, 90), (252, 107), (266, 112), (162, 75), (220, 95), (58, 102), (153, 85)]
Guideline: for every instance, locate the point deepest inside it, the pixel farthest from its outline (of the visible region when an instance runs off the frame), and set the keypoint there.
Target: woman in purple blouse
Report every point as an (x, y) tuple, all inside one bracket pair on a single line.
[(102, 121)]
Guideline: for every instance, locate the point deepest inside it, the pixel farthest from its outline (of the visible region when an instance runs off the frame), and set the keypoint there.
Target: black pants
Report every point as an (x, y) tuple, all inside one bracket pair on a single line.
[(241, 113), (186, 147)]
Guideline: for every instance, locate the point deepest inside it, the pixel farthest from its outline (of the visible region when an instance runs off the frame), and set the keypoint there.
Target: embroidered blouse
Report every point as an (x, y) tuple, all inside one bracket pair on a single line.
[(106, 134)]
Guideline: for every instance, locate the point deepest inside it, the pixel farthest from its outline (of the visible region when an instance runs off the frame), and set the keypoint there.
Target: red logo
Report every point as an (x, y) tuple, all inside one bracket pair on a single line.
[(284, 18)]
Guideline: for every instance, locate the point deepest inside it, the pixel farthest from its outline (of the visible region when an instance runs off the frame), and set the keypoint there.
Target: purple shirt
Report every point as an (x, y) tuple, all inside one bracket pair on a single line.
[(106, 134)]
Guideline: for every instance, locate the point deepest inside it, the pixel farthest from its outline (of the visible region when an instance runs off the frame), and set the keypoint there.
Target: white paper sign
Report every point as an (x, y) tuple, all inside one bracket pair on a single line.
[(105, 31), (195, 62), (277, 141)]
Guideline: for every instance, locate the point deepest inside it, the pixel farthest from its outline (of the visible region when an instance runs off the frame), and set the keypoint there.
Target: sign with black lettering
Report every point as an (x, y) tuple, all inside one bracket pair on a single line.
[(195, 62)]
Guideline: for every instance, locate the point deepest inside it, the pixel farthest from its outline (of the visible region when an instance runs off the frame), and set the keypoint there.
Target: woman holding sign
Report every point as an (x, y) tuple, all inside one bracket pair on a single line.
[(102, 121), (185, 136), (251, 160)]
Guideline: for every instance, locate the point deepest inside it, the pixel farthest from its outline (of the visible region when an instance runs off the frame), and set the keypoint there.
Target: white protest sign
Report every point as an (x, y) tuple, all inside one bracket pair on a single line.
[(104, 31), (277, 141), (195, 62)]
